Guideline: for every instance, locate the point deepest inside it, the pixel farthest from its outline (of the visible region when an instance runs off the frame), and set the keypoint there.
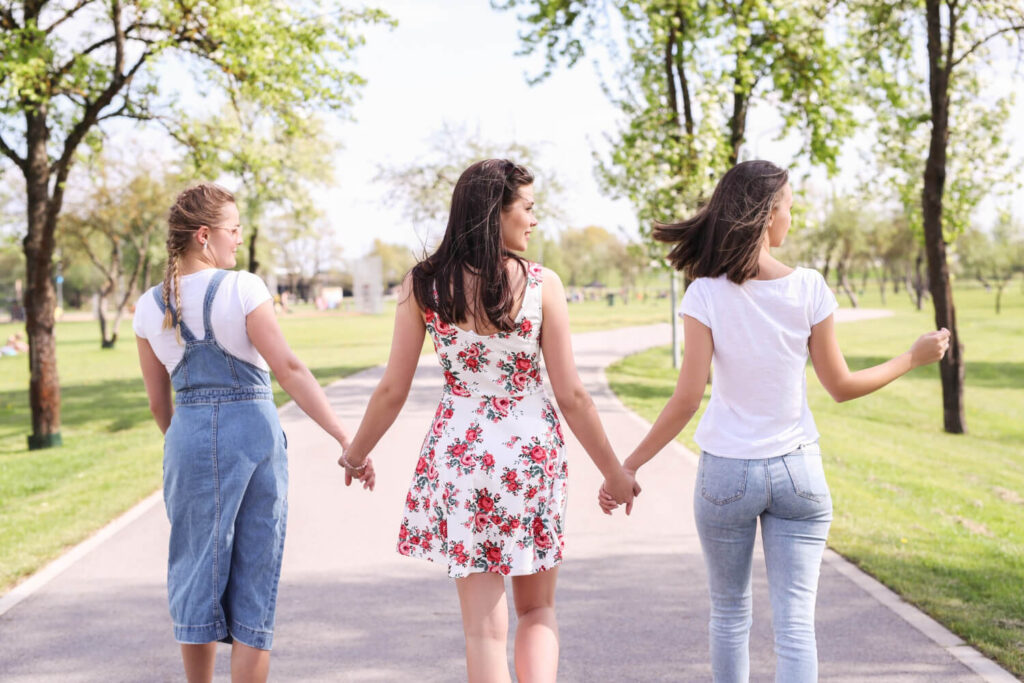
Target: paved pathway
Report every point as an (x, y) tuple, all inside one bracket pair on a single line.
[(632, 602)]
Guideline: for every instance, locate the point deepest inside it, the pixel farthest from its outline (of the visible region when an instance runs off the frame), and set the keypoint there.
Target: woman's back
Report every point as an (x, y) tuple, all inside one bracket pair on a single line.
[(238, 295), (758, 405), (497, 364)]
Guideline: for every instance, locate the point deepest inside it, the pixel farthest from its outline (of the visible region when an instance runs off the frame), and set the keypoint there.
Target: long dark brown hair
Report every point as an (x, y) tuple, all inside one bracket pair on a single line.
[(725, 235), (472, 242)]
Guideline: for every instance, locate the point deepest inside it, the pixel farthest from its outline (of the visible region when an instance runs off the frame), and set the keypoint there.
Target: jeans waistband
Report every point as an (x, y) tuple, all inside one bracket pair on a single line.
[(223, 395)]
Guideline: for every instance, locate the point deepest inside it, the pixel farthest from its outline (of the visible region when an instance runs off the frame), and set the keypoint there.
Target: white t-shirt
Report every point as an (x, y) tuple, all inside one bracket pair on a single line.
[(239, 294), (760, 329)]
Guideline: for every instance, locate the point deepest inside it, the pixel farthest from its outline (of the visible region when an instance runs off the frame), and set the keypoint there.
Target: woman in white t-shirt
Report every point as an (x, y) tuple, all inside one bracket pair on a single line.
[(212, 335), (758, 319)]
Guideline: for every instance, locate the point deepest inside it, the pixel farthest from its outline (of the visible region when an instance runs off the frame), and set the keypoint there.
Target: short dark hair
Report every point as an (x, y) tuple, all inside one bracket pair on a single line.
[(472, 241), (725, 235)]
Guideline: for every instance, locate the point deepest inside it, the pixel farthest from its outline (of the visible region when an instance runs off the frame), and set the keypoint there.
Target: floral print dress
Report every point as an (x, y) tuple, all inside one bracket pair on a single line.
[(489, 491)]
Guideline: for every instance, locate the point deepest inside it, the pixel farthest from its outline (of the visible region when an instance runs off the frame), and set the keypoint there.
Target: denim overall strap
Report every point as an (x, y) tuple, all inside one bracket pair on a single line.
[(211, 291), (186, 333)]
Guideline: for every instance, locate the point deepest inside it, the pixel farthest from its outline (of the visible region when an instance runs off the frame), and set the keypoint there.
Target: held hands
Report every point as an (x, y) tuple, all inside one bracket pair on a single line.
[(358, 471), (929, 348), (618, 490)]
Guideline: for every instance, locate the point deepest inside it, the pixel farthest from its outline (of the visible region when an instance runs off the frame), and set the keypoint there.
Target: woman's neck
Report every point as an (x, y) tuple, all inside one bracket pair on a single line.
[(769, 267), (193, 263)]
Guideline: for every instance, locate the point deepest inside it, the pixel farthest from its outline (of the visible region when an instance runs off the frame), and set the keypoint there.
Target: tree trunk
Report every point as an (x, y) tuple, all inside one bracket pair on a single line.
[(951, 367), (40, 297), (737, 126), (253, 263), (844, 283)]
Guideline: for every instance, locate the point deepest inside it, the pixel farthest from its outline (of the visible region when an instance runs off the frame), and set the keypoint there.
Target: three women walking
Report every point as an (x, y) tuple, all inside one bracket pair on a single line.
[(488, 491)]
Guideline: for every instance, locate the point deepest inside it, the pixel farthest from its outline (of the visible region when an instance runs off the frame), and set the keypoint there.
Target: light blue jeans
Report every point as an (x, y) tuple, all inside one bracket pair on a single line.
[(790, 496)]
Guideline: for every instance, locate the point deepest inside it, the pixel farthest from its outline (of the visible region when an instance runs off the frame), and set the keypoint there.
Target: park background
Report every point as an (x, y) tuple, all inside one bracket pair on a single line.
[(363, 168)]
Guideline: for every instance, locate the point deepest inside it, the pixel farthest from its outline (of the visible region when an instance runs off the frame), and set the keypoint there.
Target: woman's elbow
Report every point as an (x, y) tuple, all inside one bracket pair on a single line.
[(684, 407), (572, 400)]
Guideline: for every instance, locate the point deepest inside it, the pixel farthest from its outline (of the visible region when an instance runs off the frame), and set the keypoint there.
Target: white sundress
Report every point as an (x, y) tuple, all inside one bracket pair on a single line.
[(489, 491)]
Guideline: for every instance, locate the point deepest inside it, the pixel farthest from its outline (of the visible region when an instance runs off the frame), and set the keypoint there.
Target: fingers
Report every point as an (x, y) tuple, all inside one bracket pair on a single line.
[(348, 477)]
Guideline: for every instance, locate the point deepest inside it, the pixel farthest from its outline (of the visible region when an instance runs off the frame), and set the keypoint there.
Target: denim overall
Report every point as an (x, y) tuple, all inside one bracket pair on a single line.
[(225, 488)]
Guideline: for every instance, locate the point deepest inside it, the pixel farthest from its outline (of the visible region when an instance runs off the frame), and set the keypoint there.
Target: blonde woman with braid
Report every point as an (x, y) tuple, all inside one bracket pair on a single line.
[(212, 335)]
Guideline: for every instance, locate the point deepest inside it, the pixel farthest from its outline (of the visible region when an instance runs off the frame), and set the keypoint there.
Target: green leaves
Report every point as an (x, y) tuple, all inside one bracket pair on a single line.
[(686, 74)]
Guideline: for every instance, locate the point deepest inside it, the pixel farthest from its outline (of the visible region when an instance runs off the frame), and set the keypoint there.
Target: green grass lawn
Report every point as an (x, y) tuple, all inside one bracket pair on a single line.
[(939, 518), (111, 456)]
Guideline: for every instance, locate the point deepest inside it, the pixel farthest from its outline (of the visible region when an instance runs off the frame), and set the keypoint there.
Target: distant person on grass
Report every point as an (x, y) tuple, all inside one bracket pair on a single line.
[(758, 320), (212, 335), (488, 496)]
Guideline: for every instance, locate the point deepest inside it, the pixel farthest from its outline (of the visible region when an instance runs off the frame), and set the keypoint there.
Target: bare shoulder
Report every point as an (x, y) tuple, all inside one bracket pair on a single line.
[(550, 276)]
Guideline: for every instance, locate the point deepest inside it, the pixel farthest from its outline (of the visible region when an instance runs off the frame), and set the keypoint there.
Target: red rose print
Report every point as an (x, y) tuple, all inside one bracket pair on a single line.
[(494, 554), (481, 521), (538, 454), (403, 533), (460, 390), (485, 503), (421, 465), (551, 467), (472, 435), (501, 404), (442, 528), (523, 364), (442, 328), (488, 460), (449, 413), (467, 460), (404, 548), (520, 379), (525, 326), (458, 449), (438, 427), (505, 569), (542, 541), (472, 363)]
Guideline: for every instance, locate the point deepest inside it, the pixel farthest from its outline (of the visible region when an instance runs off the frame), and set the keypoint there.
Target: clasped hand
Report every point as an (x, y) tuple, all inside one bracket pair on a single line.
[(364, 474), (619, 490)]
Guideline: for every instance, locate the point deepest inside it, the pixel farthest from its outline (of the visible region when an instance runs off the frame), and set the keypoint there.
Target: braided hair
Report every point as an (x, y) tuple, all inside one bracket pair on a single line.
[(195, 207)]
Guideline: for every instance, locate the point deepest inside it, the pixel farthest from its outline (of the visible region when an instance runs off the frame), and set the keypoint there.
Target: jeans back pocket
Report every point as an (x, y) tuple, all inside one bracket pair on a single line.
[(722, 480), (808, 476)]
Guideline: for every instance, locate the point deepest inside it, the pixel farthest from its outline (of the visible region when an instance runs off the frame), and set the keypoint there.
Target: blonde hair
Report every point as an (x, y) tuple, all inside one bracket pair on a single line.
[(195, 207)]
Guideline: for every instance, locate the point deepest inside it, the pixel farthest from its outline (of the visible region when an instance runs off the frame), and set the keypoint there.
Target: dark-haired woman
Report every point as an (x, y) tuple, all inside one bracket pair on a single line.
[(212, 335), (758, 319), (488, 496)]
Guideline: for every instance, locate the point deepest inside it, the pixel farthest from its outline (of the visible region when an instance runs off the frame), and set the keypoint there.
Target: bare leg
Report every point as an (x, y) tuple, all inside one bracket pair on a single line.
[(537, 632), (485, 623), (198, 660), (249, 665)]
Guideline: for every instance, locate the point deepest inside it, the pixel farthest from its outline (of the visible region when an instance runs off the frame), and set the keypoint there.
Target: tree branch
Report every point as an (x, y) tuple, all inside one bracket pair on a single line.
[(12, 155), (7, 21), (67, 15), (90, 116), (1015, 28)]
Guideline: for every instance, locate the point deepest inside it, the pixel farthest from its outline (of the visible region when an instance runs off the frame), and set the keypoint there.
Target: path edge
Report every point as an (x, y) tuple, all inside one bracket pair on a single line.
[(56, 567)]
